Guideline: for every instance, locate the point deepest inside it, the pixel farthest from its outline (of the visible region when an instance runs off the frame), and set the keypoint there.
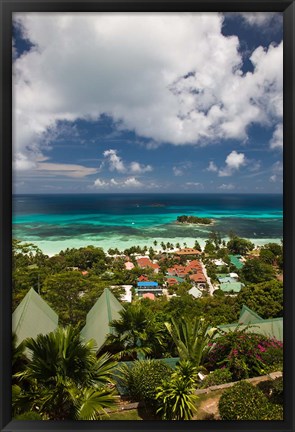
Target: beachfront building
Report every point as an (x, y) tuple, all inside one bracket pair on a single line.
[(187, 251), (33, 316), (106, 309), (144, 262), (148, 287)]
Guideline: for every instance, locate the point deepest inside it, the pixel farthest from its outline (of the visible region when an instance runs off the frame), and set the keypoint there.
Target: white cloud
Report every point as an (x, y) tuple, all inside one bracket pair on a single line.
[(226, 187), (115, 162), (22, 163), (68, 170), (130, 182), (277, 167), (100, 183), (259, 18), (234, 161), (177, 171), (86, 65), (212, 167), (277, 172), (277, 138), (181, 168), (137, 168)]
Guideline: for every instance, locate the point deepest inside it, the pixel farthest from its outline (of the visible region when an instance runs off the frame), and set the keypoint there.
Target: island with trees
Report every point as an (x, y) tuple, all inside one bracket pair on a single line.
[(184, 219)]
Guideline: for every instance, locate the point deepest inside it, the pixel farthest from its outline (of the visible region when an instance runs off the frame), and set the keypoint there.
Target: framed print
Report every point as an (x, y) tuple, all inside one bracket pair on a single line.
[(147, 215)]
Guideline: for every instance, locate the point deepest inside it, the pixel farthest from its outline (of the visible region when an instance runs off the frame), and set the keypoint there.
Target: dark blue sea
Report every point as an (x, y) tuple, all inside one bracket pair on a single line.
[(55, 222)]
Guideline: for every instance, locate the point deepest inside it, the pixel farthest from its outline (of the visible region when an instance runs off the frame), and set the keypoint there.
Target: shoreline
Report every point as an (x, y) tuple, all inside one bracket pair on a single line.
[(52, 248)]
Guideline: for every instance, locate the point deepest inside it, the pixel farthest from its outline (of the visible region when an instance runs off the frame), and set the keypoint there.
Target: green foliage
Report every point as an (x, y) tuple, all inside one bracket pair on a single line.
[(29, 415), (244, 354), (141, 378), (190, 337), (85, 257), (267, 256), (215, 238), (265, 298), (210, 248), (256, 271), (239, 245), (275, 248), (72, 295), (243, 401), (136, 332), (64, 374), (175, 397), (217, 377), (197, 245)]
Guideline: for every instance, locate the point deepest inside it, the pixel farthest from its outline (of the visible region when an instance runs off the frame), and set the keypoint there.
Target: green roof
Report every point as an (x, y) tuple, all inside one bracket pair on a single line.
[(231, 286), (234, 259), (247, 316), (105, 310), (33, 316), (227, 279), (272, 328)]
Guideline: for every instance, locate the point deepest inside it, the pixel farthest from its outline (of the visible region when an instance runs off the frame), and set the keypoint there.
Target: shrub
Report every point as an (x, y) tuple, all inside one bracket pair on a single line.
[(30, 415), (245, 354), (142, 378), (244, 401), (219, 376), (175, 397)]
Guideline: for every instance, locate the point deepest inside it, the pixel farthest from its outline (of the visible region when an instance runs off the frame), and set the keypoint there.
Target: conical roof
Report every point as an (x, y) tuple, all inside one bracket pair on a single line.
[(32, 317), (247, 316), (105, 310)]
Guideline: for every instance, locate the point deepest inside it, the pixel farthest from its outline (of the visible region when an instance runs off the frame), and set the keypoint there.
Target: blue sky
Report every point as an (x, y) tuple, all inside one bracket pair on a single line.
[(147, 103)]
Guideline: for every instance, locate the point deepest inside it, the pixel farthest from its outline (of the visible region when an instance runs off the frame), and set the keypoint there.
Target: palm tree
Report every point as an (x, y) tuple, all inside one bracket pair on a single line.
[(136, 334), (175, 397), (67, 380), (191, 337)]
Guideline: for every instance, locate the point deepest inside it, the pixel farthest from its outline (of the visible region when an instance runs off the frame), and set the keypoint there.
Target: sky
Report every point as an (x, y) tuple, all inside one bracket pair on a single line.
[(147, 102)]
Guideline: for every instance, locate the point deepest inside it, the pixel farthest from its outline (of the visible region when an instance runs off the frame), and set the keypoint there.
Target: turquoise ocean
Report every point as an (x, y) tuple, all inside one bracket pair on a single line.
[(55, 222)]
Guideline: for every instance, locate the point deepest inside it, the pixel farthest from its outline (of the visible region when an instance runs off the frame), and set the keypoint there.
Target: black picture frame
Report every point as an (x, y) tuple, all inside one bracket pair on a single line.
[(8, 7)]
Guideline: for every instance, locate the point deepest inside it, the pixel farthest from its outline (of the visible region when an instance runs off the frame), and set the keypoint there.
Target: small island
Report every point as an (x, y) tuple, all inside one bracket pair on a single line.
[(194, 220)]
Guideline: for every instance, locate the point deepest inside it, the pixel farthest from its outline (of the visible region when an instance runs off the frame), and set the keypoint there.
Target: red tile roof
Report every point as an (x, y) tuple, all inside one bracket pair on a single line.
[(172, 281), (188, 251), (199, 277), (143, 278), (146, 262)]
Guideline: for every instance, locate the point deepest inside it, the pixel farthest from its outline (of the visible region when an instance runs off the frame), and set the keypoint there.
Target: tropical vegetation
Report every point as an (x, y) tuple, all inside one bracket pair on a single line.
[(66, 379)]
